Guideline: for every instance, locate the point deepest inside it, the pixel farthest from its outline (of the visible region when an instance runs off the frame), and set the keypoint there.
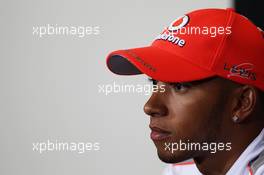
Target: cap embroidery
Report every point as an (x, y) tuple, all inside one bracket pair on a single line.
[(243, 70)]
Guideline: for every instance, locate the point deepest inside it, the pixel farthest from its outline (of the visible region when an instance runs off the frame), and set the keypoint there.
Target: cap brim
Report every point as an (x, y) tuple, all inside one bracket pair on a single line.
[(156, 63)]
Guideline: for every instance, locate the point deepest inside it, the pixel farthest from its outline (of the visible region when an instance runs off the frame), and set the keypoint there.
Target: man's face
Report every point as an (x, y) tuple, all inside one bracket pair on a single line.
[(188, 112)]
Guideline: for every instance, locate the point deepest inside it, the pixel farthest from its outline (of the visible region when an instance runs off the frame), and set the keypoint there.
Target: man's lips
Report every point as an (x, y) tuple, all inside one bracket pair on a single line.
[(158, 134)]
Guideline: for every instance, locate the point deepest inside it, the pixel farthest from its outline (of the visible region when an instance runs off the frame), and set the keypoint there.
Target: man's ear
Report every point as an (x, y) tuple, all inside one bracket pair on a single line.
[(245, 98)]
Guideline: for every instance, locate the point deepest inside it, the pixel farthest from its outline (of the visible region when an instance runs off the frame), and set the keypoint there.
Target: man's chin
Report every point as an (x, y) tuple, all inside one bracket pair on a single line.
[(176, 157)]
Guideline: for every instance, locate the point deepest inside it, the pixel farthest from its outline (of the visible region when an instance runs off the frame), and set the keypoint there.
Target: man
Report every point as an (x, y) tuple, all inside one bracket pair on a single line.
[(210, 65)]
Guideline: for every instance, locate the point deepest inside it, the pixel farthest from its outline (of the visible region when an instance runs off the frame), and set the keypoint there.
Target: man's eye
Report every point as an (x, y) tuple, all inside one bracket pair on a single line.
[(180, 86), (154, 82)]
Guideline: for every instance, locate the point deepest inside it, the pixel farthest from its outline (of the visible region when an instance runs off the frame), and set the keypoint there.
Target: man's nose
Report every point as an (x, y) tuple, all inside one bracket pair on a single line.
[(155, 106)]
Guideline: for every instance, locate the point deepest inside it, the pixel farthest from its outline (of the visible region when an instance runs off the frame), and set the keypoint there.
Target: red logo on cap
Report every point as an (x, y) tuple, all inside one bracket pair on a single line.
[(178, 23)]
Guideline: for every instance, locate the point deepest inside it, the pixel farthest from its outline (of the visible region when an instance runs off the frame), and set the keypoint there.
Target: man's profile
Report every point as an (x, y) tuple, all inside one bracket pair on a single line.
[(210, 62)]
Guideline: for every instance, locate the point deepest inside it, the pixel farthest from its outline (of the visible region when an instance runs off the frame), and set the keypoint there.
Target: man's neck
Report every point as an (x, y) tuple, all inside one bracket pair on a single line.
[(220, 162)]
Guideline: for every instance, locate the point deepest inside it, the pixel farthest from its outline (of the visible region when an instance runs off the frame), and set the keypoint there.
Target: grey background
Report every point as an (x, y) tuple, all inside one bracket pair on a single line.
[(49, 86)]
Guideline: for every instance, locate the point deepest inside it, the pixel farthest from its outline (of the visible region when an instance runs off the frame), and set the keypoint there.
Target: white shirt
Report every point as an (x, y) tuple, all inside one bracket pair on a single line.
[(240, 167)]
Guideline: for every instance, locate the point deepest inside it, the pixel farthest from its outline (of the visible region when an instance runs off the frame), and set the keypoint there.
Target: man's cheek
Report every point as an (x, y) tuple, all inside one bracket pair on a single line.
[(187, 126)]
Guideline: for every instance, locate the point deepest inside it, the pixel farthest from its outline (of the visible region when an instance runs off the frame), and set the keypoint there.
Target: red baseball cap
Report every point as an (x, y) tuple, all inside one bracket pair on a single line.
[(198, 45)]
